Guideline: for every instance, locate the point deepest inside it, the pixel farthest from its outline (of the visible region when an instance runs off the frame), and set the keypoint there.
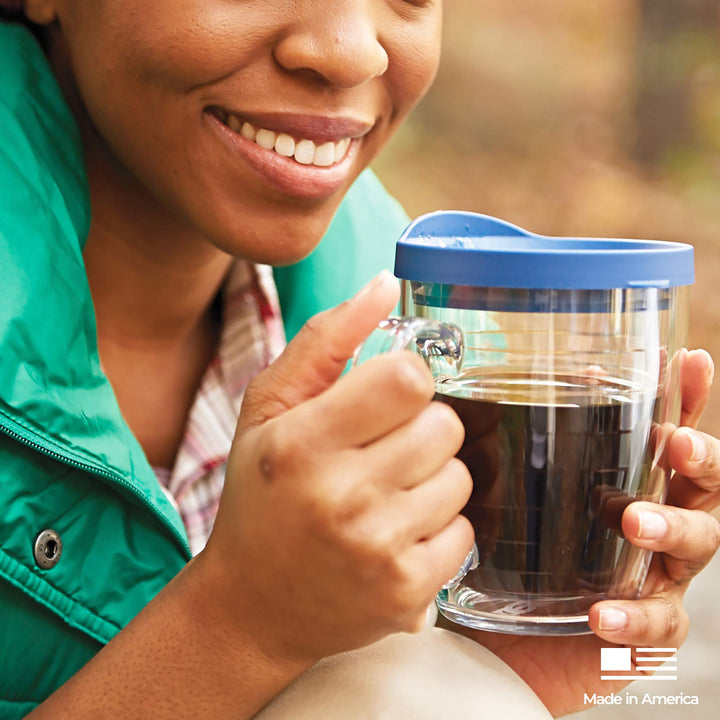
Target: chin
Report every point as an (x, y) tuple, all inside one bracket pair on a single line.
[(284, 242)]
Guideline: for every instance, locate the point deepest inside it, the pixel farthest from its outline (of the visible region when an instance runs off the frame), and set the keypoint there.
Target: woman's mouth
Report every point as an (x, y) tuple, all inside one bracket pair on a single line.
[(300, 155), (303, 151)]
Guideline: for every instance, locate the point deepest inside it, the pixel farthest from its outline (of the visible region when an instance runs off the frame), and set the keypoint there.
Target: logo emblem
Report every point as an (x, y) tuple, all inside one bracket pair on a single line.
[(617, 663)]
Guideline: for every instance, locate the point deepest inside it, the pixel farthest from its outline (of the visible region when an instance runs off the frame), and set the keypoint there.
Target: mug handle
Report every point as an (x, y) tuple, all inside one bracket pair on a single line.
[(442, 347)]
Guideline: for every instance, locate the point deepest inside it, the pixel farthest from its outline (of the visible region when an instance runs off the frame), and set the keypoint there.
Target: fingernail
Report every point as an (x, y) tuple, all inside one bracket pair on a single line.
[(613, 618), (709, 366), (376, 282), (653, 526), (710, 370), (699, 448)]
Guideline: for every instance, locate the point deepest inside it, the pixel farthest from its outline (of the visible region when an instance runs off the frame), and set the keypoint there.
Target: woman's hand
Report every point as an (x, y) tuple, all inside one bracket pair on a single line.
[(340, 520), (338, 524), (684, 537)]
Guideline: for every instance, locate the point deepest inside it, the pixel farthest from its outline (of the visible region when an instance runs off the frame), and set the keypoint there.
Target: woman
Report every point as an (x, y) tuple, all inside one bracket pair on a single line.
[(219, 137)]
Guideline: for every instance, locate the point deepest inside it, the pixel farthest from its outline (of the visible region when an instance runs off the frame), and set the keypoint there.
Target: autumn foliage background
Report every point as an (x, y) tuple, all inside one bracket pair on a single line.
[(578, 117), (587, 117)]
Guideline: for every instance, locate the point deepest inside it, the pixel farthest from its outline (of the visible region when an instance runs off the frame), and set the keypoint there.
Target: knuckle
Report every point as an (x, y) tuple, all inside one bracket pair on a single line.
[(700, 531), (256, 386), (252, 390), (408, 377), (446, 421), (461, 477), (370, 547), (690, 570), (672, 616), (710, 463), (268, 453), (466, 534), (710, 466), (282, 450), (315, 325), (684, 627), (333, 515), (679, 525), (257, 399), (414, 579), (641, 619), (321, 514), (460, 470), (316, 332), (713, 533)]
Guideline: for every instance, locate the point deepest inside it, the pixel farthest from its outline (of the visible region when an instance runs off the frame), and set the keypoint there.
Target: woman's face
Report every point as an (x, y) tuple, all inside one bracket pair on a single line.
[(249, 118)]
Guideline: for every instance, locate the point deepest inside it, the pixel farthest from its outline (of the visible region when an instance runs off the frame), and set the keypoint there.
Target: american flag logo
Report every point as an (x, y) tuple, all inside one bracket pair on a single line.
[(633, 663)]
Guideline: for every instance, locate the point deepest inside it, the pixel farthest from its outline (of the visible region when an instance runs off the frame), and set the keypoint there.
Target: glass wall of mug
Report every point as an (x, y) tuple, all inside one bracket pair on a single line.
[(568, 398)]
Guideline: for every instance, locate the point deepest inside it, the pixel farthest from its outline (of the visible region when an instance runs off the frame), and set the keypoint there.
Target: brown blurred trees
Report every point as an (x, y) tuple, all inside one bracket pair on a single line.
[(672, 37)]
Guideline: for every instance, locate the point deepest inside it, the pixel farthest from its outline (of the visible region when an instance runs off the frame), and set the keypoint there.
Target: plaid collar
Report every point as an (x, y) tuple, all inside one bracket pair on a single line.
[(251, 337)]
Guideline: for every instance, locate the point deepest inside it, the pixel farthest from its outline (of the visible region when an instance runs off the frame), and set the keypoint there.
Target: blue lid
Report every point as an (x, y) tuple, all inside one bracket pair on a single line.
[(461, 248)]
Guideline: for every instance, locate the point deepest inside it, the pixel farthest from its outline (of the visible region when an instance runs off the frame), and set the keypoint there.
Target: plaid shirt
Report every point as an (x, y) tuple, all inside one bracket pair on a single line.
[(252, 336)]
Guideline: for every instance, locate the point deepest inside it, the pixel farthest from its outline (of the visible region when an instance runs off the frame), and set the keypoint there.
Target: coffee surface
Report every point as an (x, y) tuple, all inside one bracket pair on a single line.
[(554, 460)]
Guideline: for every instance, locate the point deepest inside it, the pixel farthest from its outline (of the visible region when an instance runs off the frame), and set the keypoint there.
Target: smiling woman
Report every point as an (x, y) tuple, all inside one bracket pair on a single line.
[(215, 136), (225, 512), (150, 81)]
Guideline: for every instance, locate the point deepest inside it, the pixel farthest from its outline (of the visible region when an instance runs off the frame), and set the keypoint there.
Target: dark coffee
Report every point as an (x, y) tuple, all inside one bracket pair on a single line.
[(554, 460)]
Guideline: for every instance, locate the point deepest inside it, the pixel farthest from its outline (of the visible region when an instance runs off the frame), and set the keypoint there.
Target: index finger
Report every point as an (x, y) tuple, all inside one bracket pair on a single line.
[(318, 354), (372, 400)]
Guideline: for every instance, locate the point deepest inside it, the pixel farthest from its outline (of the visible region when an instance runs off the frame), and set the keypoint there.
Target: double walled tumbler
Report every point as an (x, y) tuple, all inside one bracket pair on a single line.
[(561, 358)]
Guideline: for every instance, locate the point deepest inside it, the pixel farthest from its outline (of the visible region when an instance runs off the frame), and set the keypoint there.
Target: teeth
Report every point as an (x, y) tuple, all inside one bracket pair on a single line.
[(285, 145), (265, 139), (305, 152), (341, 149), (325, 155)]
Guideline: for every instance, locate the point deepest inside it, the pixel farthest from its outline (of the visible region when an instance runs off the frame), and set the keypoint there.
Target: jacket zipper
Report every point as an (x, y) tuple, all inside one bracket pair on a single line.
[(99, 472)]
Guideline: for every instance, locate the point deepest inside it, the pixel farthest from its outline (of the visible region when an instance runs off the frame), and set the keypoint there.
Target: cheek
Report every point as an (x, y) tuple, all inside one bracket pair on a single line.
[(414, 59), (139, 44), (141, 73), (202, 45)]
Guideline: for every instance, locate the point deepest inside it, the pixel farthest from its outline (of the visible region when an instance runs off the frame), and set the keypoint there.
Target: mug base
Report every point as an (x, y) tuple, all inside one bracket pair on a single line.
[(514, 616)]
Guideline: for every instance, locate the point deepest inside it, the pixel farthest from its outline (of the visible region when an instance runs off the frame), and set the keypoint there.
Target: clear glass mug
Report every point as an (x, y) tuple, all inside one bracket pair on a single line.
[(568, 397)]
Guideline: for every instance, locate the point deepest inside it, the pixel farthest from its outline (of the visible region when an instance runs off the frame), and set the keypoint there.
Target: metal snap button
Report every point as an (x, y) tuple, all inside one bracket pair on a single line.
[(48, 549)]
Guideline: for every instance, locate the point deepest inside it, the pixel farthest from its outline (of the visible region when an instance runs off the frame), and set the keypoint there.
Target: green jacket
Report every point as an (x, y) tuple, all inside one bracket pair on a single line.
[(68, 461)]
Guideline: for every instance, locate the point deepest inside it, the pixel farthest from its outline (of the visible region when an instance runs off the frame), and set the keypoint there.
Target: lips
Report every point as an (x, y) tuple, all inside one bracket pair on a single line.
[(300, 155)]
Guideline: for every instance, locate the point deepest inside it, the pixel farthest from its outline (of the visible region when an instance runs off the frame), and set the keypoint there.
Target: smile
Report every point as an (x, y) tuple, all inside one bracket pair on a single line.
[(302, 150), (306, 156)]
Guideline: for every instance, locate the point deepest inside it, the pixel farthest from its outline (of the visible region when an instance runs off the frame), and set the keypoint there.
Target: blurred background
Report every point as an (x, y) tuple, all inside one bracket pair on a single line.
[(587, 117), (578, 117)]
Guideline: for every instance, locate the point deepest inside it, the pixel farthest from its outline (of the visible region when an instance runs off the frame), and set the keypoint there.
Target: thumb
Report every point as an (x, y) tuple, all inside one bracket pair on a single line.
[(318, 354)]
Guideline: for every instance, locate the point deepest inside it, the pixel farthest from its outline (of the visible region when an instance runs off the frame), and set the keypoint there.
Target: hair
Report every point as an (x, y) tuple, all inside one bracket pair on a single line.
[(13, 11), (11, 8)]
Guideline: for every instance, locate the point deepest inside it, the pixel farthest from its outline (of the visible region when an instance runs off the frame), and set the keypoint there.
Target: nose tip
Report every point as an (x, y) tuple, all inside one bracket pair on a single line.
[(345, 58)]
